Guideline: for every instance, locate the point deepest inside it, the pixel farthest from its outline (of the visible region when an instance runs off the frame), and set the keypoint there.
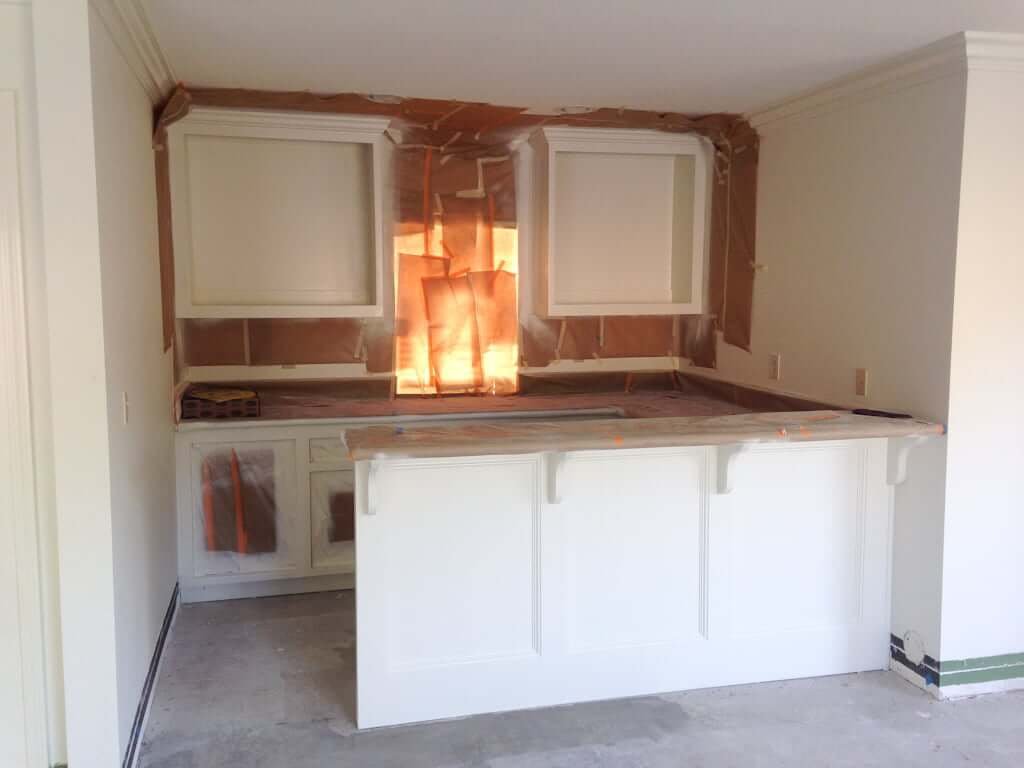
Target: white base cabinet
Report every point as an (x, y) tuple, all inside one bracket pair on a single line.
[(263, 510), (268, 508), (505, 582)]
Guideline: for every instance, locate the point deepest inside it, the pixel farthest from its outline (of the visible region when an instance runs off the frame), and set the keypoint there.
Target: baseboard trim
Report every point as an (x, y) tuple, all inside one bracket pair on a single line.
[(964, 690), (142, 711), (958, 678), (201, 593)]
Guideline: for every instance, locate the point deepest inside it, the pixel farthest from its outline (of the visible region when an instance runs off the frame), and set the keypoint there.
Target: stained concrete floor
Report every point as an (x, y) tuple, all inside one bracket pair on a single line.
[(271, 683)]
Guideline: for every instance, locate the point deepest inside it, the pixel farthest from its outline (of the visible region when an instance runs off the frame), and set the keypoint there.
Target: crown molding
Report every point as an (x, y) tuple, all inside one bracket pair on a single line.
[(129, 25), (564, 137), (339, 127), (939, 59), (994, 51)]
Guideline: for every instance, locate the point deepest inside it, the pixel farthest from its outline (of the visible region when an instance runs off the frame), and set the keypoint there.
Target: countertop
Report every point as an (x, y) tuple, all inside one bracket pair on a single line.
[(640, 395), (510, 437)]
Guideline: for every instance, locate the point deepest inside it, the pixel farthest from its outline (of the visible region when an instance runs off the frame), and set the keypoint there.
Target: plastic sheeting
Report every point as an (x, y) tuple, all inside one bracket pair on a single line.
[(456, 317), (237, 512), (332, 506)]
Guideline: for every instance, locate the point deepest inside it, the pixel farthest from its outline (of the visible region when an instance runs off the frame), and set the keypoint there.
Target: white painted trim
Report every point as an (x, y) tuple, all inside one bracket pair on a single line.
[(312, 126), (725, 461), (316, 371), (898, 452), (201, 593), (554, 463), (958, 53), (936, 60), (294, 126), (128, 24), (608, 365), (305, 372), (17, 474), (638, 141), (977, 689), (949, 692), (994, 51)]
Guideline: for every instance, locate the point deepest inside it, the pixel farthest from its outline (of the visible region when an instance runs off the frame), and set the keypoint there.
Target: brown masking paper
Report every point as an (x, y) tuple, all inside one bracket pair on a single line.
[(455, 201)]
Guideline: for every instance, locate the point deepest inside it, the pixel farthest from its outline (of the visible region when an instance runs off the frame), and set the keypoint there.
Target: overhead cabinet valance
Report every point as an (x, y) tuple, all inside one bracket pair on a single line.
[(278, 214), (623, 218)]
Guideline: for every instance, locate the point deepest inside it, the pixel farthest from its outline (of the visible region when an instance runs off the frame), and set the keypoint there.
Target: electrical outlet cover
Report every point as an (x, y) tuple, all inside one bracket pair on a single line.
[(861, 382)]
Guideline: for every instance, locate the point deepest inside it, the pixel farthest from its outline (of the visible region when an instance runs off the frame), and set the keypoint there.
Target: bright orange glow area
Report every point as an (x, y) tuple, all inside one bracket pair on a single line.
[(456, 319)]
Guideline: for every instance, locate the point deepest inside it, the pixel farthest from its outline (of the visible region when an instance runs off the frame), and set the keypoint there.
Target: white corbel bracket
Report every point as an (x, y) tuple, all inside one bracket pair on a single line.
[(896, 460), (725, 460), (372, 470), (554, 464)]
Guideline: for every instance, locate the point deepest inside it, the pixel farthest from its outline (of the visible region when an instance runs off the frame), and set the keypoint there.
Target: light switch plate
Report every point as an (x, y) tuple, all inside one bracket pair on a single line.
[(775, 367)]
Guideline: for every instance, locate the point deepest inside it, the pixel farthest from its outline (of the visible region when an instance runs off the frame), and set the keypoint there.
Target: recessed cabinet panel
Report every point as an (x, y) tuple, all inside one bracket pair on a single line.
[(280, 222), (244, 508), (278, 214), (332, 508), (622, 221)]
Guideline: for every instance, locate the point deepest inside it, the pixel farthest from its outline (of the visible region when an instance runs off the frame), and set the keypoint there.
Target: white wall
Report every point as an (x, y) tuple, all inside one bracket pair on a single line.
[(856, 232), (141, 450), (983, 558)]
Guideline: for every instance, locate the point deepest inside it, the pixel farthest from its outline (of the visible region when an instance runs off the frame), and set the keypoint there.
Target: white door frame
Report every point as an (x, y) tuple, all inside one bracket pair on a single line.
[(18, 515)]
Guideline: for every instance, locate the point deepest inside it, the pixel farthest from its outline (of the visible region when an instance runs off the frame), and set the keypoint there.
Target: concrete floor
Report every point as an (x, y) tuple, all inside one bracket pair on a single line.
[(254, 683)]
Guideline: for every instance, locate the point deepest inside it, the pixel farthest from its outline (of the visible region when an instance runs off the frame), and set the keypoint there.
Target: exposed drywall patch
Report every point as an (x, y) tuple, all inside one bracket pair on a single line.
[(908, 652), (918, 662)]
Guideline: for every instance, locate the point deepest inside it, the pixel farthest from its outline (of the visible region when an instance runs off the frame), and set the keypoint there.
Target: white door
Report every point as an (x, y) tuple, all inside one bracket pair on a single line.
[(22, 718)]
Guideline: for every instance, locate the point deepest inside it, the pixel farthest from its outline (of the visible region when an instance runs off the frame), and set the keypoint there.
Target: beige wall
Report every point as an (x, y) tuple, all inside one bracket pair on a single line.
[(81, 455), (856, 236), (141, 446)]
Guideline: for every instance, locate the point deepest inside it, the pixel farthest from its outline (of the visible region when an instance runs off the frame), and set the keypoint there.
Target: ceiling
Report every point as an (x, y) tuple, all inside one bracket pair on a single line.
[(681, 55)]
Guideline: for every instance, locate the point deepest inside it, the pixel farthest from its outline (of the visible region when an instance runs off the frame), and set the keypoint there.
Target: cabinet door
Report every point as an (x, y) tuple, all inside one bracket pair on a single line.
[(332, 524), (245, 514)]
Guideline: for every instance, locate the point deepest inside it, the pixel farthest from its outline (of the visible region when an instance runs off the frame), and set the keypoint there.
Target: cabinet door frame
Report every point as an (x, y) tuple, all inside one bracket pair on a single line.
[(293, 126), (291, 526), (25, 709), (545, 145)]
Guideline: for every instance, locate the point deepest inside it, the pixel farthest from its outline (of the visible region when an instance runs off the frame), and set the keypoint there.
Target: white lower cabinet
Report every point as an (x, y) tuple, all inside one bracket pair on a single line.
[(264, 510)]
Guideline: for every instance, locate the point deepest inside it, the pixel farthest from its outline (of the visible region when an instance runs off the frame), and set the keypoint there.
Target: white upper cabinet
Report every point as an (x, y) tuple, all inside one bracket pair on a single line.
[(622, 221), (279, 214)]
